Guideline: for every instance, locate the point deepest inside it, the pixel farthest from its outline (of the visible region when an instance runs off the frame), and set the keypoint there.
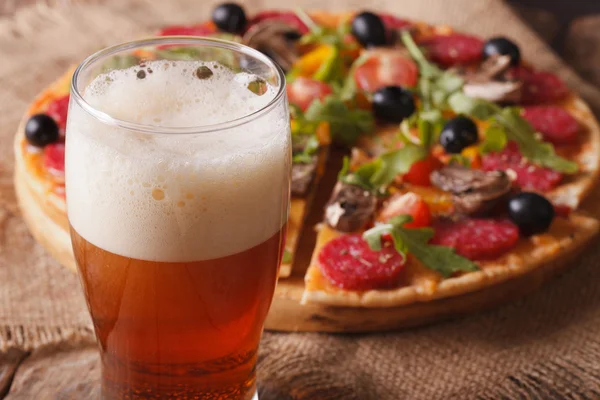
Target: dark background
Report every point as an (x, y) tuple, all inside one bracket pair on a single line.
[(571, 27)]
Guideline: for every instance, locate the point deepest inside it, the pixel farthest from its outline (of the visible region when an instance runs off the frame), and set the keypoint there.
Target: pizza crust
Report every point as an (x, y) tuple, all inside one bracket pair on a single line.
[(566, 236)]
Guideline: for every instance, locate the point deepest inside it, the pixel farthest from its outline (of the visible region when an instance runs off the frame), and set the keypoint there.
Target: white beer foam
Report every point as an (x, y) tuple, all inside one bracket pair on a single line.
[(176, 198)]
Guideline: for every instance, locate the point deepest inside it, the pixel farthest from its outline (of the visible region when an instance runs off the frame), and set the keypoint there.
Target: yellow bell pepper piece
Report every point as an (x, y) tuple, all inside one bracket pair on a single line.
[(309, 63), (472, 154)]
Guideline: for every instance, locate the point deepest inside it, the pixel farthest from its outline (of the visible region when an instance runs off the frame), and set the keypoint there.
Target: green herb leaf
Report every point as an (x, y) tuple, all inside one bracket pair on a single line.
[(349, 88), (532, 148), (460, 160), (460, 103), (345, 124), (380, 172), (494, 140), (426, 69), (441, 259), (332, 69)]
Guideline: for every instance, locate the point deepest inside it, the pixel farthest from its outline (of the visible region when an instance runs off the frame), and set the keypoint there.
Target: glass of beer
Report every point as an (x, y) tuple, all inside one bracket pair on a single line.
[(178, 164)]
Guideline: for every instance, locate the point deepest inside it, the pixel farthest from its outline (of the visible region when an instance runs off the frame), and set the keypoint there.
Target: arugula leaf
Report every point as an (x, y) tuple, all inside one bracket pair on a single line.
[(380, 172), (441, 259), (306, 155), (535, 150), (332, 68), (460, 103), (349, 88), (460, 160), (509, 125), (426, 69), (494, 140), (346, 124)]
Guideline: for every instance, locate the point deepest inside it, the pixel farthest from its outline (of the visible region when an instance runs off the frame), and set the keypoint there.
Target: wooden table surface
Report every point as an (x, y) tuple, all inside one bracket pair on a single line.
[(71, 371)]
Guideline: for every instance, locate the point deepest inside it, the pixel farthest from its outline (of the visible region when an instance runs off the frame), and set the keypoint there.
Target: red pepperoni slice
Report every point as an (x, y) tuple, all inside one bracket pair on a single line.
[(540, 87), (477, 239), (54, 158), (204, 29), (58, 111), (393, 22), (349, 263), (529, 176), (386, 67), (554, 123), (453, 49), (289, 18), (303, 91)]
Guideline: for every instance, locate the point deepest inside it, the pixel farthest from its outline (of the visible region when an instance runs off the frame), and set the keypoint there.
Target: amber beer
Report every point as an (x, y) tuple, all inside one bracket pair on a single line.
[(177, 192)]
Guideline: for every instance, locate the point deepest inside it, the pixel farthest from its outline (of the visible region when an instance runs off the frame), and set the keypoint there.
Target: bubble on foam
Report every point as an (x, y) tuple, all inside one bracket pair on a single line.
[(177, 198)]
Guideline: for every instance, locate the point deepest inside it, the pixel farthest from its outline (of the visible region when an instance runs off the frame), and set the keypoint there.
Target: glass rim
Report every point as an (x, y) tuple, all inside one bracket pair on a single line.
[(184, 40)]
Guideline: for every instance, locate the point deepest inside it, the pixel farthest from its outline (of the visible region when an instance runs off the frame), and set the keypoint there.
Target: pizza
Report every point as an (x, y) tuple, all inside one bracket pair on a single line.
[(464, 165)]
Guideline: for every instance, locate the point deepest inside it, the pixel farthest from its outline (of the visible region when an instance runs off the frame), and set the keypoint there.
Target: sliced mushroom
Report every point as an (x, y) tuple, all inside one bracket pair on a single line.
[(491, 82), (276, 39), (350, 207), (302, 176), (474, 192)]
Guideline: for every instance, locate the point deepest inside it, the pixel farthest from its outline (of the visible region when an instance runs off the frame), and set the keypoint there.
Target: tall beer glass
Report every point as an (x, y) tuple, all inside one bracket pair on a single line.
[(177, 175)]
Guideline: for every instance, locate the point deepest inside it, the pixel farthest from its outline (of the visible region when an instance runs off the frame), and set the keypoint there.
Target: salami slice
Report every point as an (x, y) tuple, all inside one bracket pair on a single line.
[(529, 176), (289, 18), (392, 22), (453, 49), (54, 158), (554, 123), (204, 29), (477, 239), (58, 111), (349, 263), (540, 87)]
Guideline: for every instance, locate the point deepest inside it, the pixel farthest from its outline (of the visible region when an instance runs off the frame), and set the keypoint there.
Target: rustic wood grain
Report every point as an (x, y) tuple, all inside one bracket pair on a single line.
[(582, 47)]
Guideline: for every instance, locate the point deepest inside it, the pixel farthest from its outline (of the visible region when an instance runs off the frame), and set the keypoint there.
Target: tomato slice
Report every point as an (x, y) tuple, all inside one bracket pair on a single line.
[(407, 204), (58, 109), (419, 172), (386, 67), (54, 158), (303, 91)]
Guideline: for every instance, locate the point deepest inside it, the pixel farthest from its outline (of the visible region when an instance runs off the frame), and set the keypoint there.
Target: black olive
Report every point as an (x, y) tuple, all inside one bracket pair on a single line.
[(41, 130), (369, 29), (503, 46), (230, 17), (393, 104), (458, 133), (531, 212)]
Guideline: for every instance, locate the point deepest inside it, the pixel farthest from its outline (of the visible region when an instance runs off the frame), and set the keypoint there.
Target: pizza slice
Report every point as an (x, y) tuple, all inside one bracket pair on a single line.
[(475, 183)]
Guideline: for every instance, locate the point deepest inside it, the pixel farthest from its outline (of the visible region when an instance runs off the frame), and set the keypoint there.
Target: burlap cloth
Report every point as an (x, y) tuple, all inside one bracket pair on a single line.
[(544, 346)]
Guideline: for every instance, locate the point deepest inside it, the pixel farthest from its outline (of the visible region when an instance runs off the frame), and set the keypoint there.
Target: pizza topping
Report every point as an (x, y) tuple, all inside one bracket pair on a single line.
[(441, 259), (477, 239), (540, 87), (555, 124), (420, 171), (378, 173), (204, 29), (474, 192), (54, 158), (532, 212), (302, 176), (289, 18), (303, 91), (273, 38), (393, 104), (528, 176), (349, 263), (392, 22), (453, 49), (229, 17), (58, 110), (41, 130), (502, 46), (384, 67), (369, 30), (491, 82), (350, 207), (458, 133), (406, 204)]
